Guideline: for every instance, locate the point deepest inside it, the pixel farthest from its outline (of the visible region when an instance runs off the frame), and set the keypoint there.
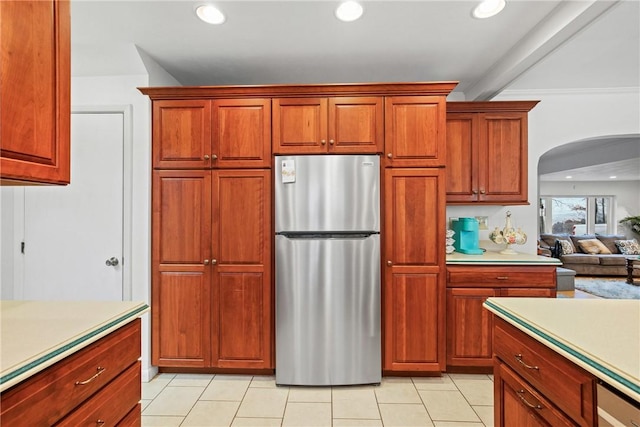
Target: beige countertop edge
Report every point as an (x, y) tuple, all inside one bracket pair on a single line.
[(496, 258), (567, 349), (30, 366)]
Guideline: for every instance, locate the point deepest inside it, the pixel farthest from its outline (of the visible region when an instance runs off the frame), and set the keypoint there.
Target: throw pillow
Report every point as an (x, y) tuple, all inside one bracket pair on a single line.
[(567, 247), (593, 246), (609, 241), (628, 247)]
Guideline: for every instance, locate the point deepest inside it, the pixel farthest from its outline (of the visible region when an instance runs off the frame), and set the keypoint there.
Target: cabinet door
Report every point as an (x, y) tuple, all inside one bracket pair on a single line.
[(182, 134), (181, 277), (518, 404), (241, 133), (356, 125), (462, 157), (503, 157), (299, 125), (414, 280), (415, 131), (35, 91), (469, 325), (242, 269)]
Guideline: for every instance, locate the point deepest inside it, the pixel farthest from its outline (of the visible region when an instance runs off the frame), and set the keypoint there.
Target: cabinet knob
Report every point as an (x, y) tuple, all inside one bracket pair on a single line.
[(482, 191), (206, 157), (389, 263), (474, 191), (323, 141), (389, 155), (214, 261), (214, 157), (331, 141), (206, 262)]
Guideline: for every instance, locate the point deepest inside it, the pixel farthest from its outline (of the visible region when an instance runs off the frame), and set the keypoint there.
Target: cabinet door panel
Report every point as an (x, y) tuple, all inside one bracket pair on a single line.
[(462, 156), (356, 125), (469, 325), (414, 216), (242, 272), (415, 131), (34, 91), (181, 320), (411, 325), (299, 125), (182, 216), (241, 133), (181, 134), (242, 338), (505, 170), (181, 277)]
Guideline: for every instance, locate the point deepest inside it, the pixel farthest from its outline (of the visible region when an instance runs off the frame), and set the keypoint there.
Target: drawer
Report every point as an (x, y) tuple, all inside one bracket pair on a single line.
[(111, 404), (570, 387), (133, 418), (59, 389), (514, 393), (495, 277)]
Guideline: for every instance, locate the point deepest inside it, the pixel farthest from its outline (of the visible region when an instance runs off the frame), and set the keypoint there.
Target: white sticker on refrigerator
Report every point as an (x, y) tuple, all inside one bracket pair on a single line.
[(288, 171)]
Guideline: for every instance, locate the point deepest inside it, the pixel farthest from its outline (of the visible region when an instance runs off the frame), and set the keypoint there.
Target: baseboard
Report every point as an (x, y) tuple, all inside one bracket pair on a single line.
[(149, 373)]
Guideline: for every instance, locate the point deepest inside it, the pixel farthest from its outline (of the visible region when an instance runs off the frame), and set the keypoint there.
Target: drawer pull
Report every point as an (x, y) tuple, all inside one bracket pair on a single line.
[(519, 359), (96, 375), (521, 396), (502, 277), (100, 422)]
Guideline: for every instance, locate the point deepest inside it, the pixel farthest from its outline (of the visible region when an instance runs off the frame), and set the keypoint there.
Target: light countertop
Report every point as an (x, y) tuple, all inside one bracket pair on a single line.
[(36, 334), (496, 258), (600, 335)]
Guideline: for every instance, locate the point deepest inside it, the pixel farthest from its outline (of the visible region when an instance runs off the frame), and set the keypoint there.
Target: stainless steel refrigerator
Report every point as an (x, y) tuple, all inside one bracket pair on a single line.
[(327, 222)]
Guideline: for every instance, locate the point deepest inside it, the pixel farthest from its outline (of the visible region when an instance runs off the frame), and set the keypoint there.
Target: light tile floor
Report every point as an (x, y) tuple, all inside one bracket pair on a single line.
[(237, 400)]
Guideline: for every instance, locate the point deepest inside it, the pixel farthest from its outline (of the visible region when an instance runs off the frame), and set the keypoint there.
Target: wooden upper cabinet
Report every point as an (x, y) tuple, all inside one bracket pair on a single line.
[(202, 134), (182, 134), (487, 152), (334, 125), (241, 133), (35, 92), (415, 131)]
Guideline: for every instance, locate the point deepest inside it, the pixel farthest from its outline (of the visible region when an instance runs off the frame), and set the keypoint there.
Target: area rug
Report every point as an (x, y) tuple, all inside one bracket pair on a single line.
[(608, 288)]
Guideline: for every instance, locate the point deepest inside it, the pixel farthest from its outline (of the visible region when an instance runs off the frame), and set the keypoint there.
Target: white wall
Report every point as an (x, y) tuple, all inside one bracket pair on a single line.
[(560, 118), (7, 227)]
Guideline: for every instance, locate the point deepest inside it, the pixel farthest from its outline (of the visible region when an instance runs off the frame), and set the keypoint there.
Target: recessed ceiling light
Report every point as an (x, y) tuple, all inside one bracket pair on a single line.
[(568, 177), (349, 11), (612, 177), (488, 8), (210, 14)]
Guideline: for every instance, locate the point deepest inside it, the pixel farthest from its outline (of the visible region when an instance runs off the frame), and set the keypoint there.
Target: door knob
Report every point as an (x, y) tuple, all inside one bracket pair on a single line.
[(112, 262), (389, 263), (323, 141), (214, 157), (389, 155), (331, 141), (206, 157)]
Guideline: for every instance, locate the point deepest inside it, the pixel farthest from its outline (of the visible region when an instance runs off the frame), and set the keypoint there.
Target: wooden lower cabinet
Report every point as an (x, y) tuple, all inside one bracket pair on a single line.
[(469, 325), (414, 272), (98, 383), (534, 385), (211, 284)]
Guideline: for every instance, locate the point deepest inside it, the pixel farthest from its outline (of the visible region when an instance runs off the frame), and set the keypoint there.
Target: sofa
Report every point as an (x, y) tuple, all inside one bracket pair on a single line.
[(590, 254)]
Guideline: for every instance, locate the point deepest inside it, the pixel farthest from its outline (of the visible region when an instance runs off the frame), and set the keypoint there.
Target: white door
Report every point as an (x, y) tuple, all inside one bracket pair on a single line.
[(71, 232)]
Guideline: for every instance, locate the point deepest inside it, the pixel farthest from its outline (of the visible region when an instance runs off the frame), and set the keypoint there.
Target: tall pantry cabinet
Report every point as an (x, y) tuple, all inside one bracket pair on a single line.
[(211, 278), (213, 147)]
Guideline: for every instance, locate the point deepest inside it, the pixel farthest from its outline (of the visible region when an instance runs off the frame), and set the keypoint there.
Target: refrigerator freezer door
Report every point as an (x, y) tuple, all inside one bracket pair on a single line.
[(327, 193), (328, 311)]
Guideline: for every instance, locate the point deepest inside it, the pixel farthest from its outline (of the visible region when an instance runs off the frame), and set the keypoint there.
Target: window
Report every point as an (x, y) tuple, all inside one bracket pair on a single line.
[(577, 215)]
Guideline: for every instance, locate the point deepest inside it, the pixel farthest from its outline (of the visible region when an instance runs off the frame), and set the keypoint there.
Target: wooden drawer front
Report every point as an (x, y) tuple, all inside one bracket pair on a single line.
[(54, 391), (564, 383), (507, 277), (133, 418), (111, 404), (522, 405)]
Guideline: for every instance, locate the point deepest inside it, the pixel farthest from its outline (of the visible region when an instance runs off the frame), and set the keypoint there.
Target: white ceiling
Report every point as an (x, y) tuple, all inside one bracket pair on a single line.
[(531, 45)]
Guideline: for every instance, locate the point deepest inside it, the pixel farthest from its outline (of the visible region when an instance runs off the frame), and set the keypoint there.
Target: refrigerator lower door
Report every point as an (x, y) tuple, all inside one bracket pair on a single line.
[(328, 311)]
